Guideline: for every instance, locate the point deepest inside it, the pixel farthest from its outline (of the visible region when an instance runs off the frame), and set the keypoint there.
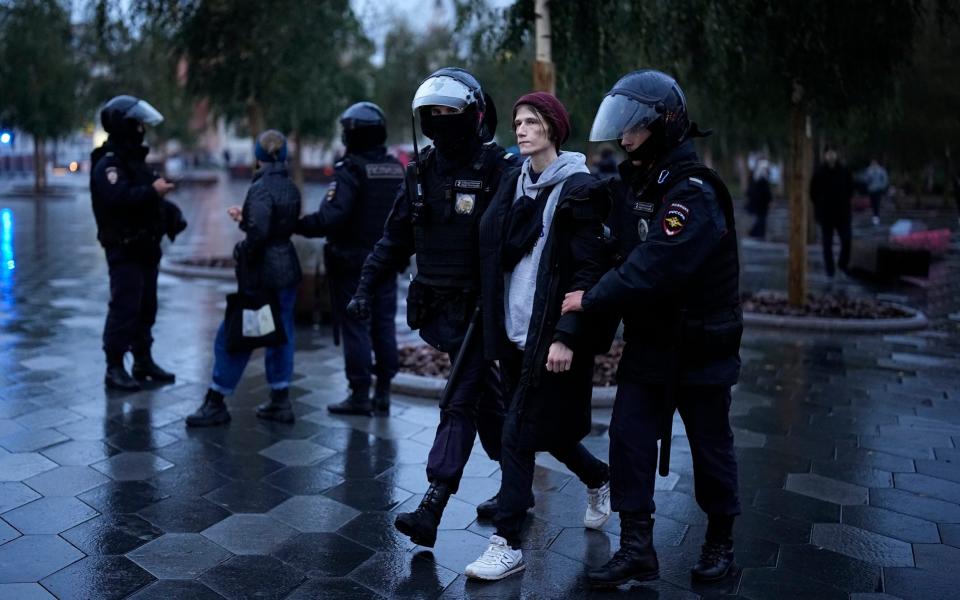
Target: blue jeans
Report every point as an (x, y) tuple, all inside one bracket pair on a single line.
[(228, 368)]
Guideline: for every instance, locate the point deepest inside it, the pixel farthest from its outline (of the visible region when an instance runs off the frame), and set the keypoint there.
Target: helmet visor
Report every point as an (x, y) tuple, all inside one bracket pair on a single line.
[(617, 115), (443, 91), (144, 112)]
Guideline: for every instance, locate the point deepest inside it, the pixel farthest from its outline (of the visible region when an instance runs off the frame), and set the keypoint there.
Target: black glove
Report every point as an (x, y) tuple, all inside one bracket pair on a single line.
[(359, 307)]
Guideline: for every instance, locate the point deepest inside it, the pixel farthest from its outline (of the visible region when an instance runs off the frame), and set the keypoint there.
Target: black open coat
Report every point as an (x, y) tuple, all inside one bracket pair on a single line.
[(554, 408)]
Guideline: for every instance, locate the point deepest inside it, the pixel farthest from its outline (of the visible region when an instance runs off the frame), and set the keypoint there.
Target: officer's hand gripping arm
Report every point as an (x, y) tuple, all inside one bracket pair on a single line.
[(335, 209)]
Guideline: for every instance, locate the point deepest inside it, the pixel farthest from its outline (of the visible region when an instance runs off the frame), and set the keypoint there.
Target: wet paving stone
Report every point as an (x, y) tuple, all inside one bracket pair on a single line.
[(184, 514), (25, 591), (401, 575), (333, 588), (367, 494), (853, 474), (7, 533), (23, 465), (179, 556), (304, 481), (376, 530), (862, 544), (171, 588), (931, 509), (919, 583), (66, 481), (31, 440), (322, 554), (826, 489), (14, 494), (253, 577), (783, 584), (926, 485), (247, 497), (111, 534), (250, 534), (796, 506), (121, 497), (79, 453), (33, 557), (891, 524), (311, 514), (49, 515), (132, 466), (830, 567), (106, 577)]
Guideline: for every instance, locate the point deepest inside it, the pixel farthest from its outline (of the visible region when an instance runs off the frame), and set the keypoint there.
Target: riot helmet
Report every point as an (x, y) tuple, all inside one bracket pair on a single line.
[(459, 91), (123, 117), (363, 127), (645, 99)]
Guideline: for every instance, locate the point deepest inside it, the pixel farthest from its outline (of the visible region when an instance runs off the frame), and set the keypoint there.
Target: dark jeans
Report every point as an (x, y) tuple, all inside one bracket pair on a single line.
[(842, 228), (875, 199), (133, 303), (474, 406), (363, 340), (518, 462), (634, 430)]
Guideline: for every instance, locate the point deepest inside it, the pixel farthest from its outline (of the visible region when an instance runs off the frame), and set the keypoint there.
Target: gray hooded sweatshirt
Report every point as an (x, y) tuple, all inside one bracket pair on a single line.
[(521, 283)]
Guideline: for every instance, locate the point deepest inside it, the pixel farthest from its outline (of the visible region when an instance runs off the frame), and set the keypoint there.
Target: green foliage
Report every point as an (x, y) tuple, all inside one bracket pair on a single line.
[(38, 71), (284, 64)]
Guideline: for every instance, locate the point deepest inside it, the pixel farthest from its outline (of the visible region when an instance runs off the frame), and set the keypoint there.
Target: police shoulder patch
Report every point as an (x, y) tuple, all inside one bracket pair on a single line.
[(331, 192), (675, 218), (112, 175)]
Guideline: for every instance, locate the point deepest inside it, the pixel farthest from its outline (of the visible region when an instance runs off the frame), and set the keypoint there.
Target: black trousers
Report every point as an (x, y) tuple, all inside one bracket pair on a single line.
[(843, 229), (133, 303), (518, 462), (474, 406), (875, 200), (365, 340), (634, 430)]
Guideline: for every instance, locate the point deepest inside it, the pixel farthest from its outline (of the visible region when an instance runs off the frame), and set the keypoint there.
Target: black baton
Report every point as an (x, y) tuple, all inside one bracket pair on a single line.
[(458, 361), (670, 396)]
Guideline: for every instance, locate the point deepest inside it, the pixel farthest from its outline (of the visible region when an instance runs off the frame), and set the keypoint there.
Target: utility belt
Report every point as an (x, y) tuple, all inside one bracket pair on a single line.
[(706, 335), (442, 314), (343, 259)]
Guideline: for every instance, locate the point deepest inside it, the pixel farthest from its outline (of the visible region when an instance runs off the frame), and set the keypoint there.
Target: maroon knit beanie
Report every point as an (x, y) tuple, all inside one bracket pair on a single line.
[(552, 110)]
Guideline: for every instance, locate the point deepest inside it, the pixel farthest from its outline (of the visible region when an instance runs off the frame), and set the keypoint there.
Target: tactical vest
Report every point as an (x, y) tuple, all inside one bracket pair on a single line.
[(377, 183), (446, 223)]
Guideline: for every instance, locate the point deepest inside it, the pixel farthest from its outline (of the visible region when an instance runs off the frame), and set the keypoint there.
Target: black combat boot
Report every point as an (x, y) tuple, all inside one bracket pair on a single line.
[(636, 560), (144, 369), (357, 403), (421, 524), (381, 397), (117, 377), (278, 408), (212, 412), (716, 555), (488, 508)]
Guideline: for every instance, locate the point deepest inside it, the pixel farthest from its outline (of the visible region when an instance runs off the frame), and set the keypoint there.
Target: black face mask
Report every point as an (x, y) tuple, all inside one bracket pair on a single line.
[(131, 133), (453, 134), (652, 149)]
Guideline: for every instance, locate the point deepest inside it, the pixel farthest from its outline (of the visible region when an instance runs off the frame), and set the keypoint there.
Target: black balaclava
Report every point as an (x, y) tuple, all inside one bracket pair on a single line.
[(455, 136), (652, 149)]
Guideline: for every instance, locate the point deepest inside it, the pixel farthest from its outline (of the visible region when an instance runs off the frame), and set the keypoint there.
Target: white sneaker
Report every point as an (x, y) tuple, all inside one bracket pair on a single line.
[(498, 561), (598, 507)]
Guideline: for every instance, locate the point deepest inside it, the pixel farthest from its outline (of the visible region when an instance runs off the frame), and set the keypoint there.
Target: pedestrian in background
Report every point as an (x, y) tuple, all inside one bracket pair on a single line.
[(831, 191), (759, 197), (266, 261), (877, 185)]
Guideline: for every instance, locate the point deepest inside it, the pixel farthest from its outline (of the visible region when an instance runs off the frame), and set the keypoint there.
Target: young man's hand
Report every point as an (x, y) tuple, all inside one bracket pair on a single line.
[(559, 358), (572, 302)]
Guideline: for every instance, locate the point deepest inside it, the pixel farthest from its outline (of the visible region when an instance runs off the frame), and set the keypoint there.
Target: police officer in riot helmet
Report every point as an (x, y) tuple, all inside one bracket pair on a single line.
[(677, 289), (436, 216), (351, 217), (132, 215)]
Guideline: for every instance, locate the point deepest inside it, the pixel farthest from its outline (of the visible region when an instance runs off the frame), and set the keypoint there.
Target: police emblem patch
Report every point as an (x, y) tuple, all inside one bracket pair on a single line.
[(112, 175), (331, 192), (465, 203), (643, 229), (675, 218)]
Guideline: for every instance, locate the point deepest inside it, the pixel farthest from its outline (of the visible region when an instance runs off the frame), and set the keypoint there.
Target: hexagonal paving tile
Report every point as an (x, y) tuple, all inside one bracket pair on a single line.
[(47, 417), (297, 452), (7, 533), (23, 465), (49, 515), (98, 577), (253, 577), (14, 494), (313, 513), (860, 543), (79, 452), (31, 440), (132, 466), (66, 481), (184, 514), (179, 556), (323, 554), (111, 534), (250, 534), (33, 557), (247, 497), (167, 589), (25, 591), (826, 489)]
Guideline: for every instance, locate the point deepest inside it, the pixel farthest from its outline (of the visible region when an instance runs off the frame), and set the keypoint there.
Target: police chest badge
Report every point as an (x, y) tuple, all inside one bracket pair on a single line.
[(643, 229), (465, 203), (112, 175), (675, 219)]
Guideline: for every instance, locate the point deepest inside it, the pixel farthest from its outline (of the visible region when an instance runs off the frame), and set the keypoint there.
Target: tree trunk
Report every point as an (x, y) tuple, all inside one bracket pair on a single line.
[(544, 78), (39, 165), (797, 263), (296, 160)]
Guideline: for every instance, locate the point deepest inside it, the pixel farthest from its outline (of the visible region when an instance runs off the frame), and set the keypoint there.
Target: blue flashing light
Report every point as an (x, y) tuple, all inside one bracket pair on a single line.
[(6, 242), (6, 137)]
